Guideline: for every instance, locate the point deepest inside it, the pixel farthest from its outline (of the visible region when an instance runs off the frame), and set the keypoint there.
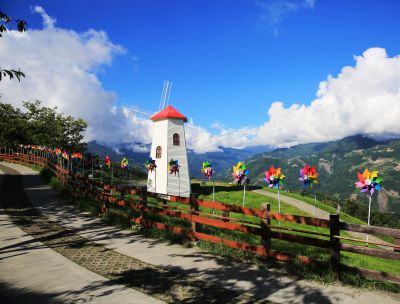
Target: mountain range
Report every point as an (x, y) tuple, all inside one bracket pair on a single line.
[(337, 163)]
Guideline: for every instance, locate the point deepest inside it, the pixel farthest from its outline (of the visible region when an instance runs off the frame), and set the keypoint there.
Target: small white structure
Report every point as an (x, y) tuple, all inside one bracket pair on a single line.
[(169, 143)]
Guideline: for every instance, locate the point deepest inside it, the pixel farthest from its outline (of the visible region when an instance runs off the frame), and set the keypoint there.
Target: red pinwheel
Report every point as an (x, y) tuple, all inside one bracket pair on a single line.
[(274, 177), (308, 175)]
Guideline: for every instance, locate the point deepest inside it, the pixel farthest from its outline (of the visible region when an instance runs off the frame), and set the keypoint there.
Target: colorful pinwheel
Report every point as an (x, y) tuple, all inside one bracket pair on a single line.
[(76, 155), (239, 173), (150, 164), (173, 166), (107, 161), (274, 177), (308, 176), (124, 164), (207, 169), (58, 151), (369, 181), (65, 155)]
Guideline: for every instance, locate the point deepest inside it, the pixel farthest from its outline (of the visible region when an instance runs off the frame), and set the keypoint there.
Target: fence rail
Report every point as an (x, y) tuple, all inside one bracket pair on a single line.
[(196, 214)]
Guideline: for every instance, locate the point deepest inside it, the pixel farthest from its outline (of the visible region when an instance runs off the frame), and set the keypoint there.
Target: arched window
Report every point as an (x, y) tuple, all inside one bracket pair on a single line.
[(176, 139), (158, 152)]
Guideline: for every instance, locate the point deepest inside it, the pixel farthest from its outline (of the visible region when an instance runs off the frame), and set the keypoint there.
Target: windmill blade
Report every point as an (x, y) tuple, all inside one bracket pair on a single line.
[(137, 110), (160, 107), (169, 92)]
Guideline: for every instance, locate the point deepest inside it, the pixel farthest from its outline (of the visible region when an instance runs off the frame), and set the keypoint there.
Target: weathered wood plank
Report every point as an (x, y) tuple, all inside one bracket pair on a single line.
[(370, 229), (370, 251)]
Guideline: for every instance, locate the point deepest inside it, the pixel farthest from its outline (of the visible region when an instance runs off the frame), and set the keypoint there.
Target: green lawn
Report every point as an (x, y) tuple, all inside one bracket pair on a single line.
[(234, 196)]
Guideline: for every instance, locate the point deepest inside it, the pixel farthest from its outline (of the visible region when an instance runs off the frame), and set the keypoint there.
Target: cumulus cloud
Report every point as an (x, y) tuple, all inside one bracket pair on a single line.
[(274, 11), (60, 67), (362, 99)]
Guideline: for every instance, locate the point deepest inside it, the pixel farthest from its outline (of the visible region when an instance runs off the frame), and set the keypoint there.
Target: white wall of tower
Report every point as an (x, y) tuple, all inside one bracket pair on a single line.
[(160, 181), (178, 184)]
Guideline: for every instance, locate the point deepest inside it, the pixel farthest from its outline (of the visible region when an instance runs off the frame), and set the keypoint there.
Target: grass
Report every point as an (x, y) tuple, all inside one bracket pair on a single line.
[(64, 190)]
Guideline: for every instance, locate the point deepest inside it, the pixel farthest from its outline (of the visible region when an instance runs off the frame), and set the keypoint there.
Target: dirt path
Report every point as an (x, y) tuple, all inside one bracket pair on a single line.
[(320, 214)]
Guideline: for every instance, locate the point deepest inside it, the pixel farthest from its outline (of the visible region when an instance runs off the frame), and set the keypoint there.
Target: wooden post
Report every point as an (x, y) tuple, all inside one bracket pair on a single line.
[(225, 214), (194, 208), (335, 244), (143, 201), (397, 242), (265, 226)]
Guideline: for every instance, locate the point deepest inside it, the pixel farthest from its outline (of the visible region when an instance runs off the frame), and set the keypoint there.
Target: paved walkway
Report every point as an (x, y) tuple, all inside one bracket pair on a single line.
[(222, 273), (31, 272)]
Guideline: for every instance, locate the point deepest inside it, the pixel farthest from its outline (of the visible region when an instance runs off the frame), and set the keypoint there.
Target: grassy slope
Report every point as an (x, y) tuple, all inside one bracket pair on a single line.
[(235, 196)]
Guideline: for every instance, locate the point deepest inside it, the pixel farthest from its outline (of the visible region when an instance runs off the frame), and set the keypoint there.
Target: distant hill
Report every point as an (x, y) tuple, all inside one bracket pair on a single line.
[(337, 163)]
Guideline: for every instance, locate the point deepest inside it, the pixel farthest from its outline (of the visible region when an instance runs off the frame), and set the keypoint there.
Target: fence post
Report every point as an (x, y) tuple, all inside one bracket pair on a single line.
[(225, 214), (397, 242), (335, 243), (143, 202), (265, 226), (194, 208)]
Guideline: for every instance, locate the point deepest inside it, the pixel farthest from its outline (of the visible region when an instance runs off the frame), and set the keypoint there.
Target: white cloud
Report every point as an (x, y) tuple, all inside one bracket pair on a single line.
[(274, 11), (362, 99), (60, 67), (48, 21)]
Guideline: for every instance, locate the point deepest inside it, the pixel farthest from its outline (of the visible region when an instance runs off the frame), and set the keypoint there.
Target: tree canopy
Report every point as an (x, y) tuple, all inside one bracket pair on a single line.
[(42, 126)]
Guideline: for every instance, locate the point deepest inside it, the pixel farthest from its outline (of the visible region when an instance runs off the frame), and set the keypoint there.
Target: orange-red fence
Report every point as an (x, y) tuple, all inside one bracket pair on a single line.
[(197, 214)]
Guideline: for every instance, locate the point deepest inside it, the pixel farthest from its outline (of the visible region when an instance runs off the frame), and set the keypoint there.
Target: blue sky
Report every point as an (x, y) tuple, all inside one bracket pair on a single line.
[(228, 60)]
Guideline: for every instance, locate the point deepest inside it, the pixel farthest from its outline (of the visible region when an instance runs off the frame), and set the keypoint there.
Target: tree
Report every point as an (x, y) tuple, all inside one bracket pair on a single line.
[(40, 126), (21, 26)]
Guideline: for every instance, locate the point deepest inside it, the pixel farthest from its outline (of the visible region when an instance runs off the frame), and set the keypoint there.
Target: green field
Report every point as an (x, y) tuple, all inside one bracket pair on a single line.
[(234, 195)]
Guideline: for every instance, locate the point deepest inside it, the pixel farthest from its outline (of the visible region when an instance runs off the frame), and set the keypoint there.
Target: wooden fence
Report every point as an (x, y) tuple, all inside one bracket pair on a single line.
[(197, 215)]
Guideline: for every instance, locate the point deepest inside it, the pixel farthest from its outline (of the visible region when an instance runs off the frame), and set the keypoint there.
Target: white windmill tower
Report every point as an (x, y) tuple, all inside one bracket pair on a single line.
[(168, 143)]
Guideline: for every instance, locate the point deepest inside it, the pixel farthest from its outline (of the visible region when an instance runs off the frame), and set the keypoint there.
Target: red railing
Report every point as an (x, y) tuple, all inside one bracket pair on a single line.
[(197, 215)]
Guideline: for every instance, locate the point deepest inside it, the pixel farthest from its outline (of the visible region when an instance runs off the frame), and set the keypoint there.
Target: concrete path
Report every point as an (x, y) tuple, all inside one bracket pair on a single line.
[(258, 284), (33, 273), (308, 208)]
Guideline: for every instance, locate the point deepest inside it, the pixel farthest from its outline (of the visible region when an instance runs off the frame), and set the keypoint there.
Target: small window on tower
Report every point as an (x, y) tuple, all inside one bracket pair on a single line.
[(158, 152), (176, 139)]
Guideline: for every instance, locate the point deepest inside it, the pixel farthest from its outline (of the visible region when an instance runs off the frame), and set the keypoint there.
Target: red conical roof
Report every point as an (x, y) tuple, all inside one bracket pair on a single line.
[(168, 112)]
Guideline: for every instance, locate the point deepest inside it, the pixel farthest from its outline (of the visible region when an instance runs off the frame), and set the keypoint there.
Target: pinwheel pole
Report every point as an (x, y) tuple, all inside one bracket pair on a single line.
[(179, 184), (315, 205), (244, 194), (213, 191), (83, 166), (369, 212), (315, 202), (92, 167), (279, 201), (112, 172), (102, 171)]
